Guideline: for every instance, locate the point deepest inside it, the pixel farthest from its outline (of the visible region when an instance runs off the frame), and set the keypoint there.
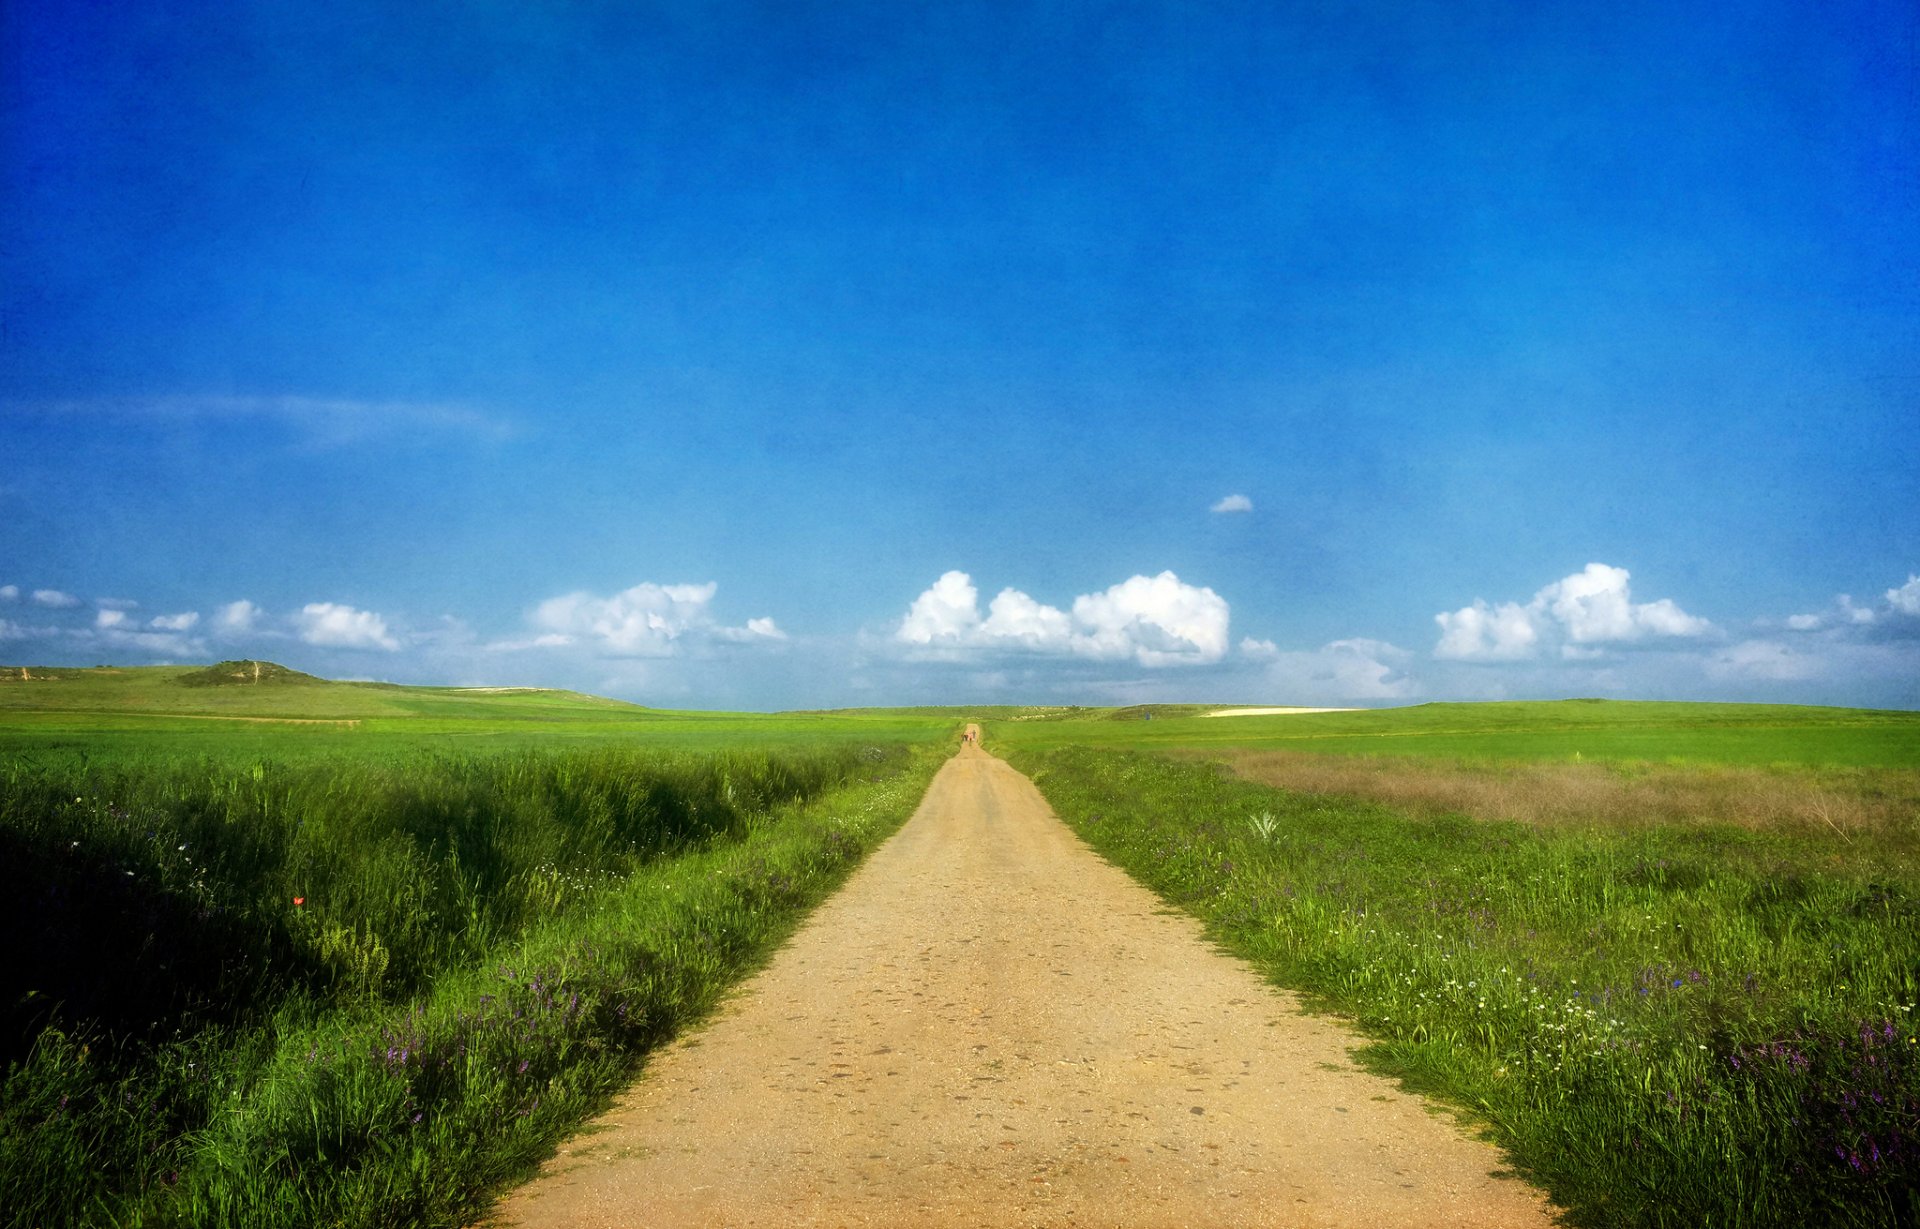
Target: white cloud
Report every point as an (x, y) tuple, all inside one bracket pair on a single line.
[(766, 628), (332, 625), (1154, 620), (1486, 633), (110, 618), (1233, 503), (1356, 669), (1157, 620), (1015, 618), (1906, 598), (647, 620), (12, 631), (237, 617), (1591, 608), (1843, 614), (182, 622), (55, 599), (948, 611), (9, 593)]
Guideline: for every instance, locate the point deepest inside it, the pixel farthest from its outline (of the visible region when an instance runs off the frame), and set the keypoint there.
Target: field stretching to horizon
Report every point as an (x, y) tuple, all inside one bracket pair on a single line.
[(288, 951), (1667, 954)]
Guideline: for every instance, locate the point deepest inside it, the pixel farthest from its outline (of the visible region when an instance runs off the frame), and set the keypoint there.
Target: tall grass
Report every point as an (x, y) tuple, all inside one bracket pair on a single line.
[(366, 993), (1674, 1024), (1877, 803)]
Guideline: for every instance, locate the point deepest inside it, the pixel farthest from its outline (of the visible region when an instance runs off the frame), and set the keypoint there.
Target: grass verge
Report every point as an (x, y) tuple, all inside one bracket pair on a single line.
[(308, 1084), (1664, 1025)]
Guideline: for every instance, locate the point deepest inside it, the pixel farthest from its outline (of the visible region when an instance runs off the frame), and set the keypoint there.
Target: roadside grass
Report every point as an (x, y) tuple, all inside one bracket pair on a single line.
[(1664, 1023), (371, 991)]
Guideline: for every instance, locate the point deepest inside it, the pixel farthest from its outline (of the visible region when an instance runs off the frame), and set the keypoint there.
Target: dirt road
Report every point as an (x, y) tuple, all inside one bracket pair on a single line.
[(991, 1026)]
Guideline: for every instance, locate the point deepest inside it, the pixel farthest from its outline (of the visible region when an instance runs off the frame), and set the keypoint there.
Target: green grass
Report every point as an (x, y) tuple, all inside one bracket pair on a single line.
[(138, 712), (1665, 1023), (274, 974), (1605, 730)]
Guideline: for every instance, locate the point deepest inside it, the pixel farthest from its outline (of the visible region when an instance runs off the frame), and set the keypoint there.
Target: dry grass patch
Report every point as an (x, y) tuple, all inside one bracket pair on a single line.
[(1848, 802)]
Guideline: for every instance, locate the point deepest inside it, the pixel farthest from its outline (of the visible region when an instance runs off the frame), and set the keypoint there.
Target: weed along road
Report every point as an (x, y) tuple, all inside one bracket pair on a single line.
[(991, 1026)]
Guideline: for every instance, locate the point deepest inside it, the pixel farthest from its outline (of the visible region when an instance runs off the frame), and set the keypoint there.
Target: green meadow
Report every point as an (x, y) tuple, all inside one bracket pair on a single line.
[(1667, 955), (289, 952), (1607, 730), (285, 951), (223, 713)]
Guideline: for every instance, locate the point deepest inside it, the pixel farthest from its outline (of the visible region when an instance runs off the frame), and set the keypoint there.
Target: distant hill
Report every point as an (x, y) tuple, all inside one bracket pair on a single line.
[(246, 674)]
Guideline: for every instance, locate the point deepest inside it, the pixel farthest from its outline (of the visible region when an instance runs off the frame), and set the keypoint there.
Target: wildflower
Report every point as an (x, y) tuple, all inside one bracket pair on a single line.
[(299, 900)]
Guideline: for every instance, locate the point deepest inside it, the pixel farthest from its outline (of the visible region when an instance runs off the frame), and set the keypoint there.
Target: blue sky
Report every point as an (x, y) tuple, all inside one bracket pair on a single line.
[(683, 352)]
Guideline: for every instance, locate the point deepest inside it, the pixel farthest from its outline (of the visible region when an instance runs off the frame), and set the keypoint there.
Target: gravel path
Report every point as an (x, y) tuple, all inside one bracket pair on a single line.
[(991, 1026)]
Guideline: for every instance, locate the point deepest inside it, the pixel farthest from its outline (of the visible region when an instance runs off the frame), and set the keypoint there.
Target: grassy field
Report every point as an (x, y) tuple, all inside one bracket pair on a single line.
[(286, 951), (265, 971), (140, 712), (1649, 946), (1594, 730)]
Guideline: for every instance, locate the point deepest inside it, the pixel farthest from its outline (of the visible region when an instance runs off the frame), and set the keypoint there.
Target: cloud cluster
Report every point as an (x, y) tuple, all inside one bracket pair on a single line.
[(1579, 616), (332, 625), (236, 618), (648, 620), (1152, 620), (1906, 598), (1356, 670)]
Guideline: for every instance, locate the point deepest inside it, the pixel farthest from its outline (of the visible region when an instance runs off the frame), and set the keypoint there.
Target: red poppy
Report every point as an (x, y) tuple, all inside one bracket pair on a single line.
[(299, 900)]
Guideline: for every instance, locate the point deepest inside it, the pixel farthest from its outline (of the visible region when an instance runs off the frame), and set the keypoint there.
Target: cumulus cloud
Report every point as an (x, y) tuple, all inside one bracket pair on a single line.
[(9, 593), (1582, 614), (647, 620), (331, 625), (236, 617), (948, 611), (182, 622), (110, 618), (1153, 620), (1906, 599), (1233, 503), (55, 599), (1487, 633), (765, 628)]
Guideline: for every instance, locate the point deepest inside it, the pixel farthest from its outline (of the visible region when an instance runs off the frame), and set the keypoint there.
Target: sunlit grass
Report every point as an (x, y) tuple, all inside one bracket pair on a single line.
[(1665, 1023), (369, 993)]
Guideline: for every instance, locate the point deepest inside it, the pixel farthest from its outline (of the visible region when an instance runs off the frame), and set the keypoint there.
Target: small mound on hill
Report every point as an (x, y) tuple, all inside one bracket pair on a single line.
[(246, 674), (1147, 712)]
